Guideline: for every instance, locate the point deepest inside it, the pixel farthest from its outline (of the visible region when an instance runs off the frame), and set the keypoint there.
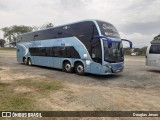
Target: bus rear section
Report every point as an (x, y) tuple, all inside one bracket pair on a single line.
[(153, 55)]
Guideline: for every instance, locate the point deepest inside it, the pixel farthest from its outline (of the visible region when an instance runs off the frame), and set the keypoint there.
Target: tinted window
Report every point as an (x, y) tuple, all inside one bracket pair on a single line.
[(115, 53), (57, 51), (154, 49), (108, 29), (64, 52), (84, 31)]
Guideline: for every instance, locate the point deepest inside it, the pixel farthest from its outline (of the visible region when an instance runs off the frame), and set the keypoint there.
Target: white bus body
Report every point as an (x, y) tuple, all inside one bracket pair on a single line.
[(153, 55)]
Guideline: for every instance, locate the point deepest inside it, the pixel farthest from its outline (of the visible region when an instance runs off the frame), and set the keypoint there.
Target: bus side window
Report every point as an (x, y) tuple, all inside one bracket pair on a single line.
[(154, 49), (52, 51), (48, 53), (63, 52), (74, 53), (58, 52), (68, 52), (42, 51)]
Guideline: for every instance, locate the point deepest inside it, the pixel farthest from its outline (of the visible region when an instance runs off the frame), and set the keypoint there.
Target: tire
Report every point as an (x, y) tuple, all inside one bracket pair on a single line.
[(79, 69), (29, 62), (25, 61), (67, 67)]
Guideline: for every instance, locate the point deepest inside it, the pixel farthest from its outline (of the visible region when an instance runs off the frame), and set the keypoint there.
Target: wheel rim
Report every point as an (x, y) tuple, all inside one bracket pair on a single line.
[(80, 68), (68, 67), (29, 62), (25, 61)]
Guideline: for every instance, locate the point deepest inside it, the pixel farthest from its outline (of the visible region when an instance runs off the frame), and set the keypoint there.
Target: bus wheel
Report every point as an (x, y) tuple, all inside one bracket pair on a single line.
[(79, 68), (25, 61), (29, 62), (67, 67)]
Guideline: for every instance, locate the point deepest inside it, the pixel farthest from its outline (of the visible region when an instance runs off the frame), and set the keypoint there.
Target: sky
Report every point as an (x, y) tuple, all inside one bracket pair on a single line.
[(136, 20)]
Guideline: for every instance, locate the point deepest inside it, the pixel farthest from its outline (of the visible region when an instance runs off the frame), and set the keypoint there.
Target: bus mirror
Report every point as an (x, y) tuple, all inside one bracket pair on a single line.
[(105, 38), (109, 43), (84, 56), (130, 43)]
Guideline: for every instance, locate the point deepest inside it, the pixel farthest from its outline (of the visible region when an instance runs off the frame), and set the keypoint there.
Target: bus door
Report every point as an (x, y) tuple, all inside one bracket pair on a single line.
[(96, 55)]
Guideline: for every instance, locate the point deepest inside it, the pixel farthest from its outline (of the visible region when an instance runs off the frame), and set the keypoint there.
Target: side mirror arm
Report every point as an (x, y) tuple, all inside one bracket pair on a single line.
[(130, 43)]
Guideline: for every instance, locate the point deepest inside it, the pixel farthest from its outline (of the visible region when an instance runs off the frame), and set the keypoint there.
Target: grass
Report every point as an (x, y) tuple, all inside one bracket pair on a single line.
[(40, 85), (3, 85), (11, 49), (12, 100), (1, 69)]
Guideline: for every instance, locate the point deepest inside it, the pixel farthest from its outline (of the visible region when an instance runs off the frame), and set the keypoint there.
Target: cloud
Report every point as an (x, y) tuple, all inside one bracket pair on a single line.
[(129, 16), (138, 39), (142, 27), (142, 11)]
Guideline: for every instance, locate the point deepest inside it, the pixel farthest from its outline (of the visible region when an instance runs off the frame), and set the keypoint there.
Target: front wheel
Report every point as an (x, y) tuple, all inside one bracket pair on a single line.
[(79, 69)]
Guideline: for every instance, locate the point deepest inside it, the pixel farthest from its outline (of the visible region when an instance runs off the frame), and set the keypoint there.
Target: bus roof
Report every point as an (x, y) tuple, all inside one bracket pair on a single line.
[(57, 26), (155, 42), (91, 20)]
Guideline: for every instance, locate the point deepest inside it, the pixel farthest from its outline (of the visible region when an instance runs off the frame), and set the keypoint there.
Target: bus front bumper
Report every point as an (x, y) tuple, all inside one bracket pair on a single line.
[(114, 69)]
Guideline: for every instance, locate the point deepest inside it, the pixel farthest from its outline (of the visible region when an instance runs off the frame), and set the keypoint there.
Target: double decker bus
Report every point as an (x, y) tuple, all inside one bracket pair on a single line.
[(90, 46)]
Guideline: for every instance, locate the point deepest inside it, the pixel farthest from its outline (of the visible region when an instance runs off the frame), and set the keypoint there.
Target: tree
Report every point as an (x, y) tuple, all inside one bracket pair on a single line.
[(2, 42), (11, 33), (127, 51), (47, 25), (157, 37), (44, 26), (142, 51)]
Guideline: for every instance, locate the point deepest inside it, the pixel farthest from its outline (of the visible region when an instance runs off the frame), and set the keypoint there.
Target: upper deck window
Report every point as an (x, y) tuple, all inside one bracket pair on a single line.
[(108, 29)]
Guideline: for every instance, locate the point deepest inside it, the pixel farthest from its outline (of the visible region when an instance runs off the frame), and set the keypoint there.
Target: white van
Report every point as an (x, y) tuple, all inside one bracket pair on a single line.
[(153, 54)]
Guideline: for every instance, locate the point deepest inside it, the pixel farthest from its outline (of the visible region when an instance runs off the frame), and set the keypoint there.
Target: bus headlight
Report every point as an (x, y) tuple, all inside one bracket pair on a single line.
[(108, 65), (88, 62)]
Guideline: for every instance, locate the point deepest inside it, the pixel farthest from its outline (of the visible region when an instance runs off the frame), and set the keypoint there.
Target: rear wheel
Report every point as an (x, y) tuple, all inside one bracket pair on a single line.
[(25, 61), (67, 67), (79, 68), (29, 62)]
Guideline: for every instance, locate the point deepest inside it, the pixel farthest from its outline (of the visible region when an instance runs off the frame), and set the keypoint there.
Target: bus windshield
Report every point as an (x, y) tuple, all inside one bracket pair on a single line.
[(115, 53), (108, 29)]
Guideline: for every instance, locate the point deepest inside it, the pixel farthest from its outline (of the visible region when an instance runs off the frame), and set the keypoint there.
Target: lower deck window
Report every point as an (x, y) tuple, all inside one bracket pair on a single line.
[(64, 52)]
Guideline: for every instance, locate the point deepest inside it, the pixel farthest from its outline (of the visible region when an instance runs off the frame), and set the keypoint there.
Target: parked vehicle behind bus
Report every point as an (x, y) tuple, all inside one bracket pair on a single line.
[(153, 54), (90, 46)]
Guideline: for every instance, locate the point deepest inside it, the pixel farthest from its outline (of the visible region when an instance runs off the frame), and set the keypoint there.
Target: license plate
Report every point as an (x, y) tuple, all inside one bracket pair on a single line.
[(118, 66), (118, 70)]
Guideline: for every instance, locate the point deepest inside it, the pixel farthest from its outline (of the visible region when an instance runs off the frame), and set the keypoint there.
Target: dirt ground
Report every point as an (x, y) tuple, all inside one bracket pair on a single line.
[(136, 88)]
